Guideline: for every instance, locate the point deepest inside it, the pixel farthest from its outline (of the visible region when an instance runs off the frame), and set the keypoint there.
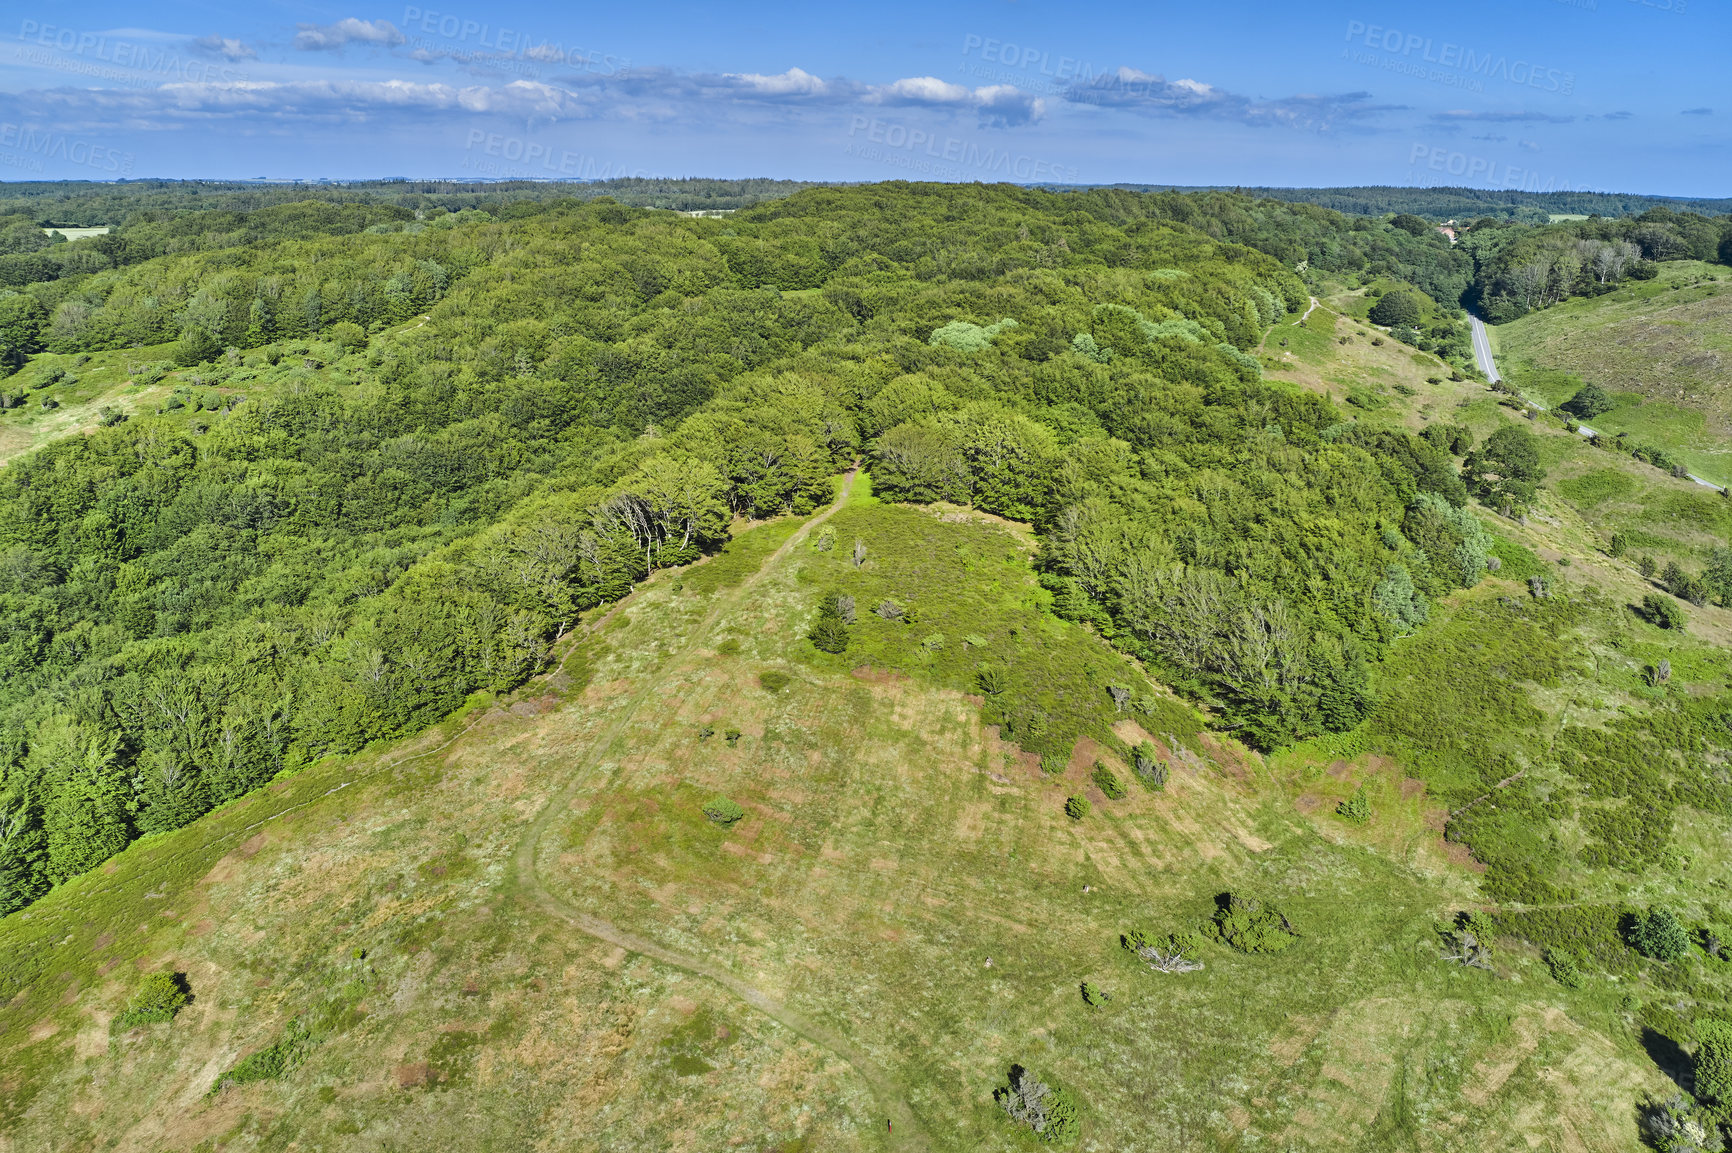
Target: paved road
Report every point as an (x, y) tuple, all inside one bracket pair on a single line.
[(1482, 357), (1482, 349)]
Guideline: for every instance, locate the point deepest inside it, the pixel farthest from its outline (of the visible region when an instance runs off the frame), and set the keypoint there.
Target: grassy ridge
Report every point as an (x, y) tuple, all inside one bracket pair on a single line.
[(891, 847)]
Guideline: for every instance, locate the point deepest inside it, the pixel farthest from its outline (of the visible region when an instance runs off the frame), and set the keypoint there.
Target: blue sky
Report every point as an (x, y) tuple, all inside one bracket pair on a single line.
[(1620, 95)]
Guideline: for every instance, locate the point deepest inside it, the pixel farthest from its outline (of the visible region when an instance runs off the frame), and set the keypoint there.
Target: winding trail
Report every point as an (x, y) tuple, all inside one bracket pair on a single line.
[(907, 1132)]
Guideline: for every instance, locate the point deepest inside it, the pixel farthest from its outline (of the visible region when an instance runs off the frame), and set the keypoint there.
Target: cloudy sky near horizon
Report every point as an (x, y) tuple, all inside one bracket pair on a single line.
[(1619, 95)]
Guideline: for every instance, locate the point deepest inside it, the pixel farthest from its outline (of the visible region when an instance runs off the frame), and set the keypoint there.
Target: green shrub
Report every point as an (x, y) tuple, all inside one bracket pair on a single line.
[(1479, 924), (1052, 1114), (1659, 935), (1054, 763), (1589, 401), (1565, 967), (1357, 808), (1076, 808), (272, 1062), (992, 679), (1150, 769), (1679, 1125), (729, 647), (1589, 932), (723, 811), (830, 631), (1663, 611), (158, 998), (1094, 996), (774, 679), (1251, 926), (1397, 308), (732, 736), (1107, 781), (1714, 1061)]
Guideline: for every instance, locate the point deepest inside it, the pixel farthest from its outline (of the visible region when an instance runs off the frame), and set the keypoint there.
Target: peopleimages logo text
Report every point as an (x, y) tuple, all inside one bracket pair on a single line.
[(70, 149), (126, 54), (1489, 65), (1011, 55), (921, 151)]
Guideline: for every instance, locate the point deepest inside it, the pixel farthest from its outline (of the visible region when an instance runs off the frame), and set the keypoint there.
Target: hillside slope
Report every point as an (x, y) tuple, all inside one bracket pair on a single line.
[(1662, 348), (522, 930)]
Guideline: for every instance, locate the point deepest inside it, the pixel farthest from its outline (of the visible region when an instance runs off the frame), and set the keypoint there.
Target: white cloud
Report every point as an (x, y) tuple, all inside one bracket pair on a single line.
[(226, 47), (999, 105), (316, 100), (1455, 115), (331, 37), (793, 82), (1152, 94)]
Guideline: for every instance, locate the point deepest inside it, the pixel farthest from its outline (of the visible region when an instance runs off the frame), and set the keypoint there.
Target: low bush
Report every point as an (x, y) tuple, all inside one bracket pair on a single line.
[(1678, 1125), (158, 998), (774, 679), (1714, 1061), (1251, 926), (1565, 967), (271, 1062), (1660, 935), (1587, 932), (1150, 769), (1052, 1114), (1107, 781), (1076, 808), (723, 811), (1054, 763), (1355, 809), (1094, 996)]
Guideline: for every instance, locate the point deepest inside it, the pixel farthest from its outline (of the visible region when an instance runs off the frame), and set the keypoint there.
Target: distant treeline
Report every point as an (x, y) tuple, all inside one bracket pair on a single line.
[(1466, 203), (87, 204)]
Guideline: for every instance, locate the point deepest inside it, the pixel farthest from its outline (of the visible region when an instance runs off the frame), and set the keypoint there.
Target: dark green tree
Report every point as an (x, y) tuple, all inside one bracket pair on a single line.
[(1397, 308), (1589, 401), (1505, 472), (1660, 935), (22, 319), (830, 631), (196, 346)]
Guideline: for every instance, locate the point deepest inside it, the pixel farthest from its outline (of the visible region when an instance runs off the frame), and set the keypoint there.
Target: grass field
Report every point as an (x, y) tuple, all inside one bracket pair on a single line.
[(1662, 348), (904, 911)]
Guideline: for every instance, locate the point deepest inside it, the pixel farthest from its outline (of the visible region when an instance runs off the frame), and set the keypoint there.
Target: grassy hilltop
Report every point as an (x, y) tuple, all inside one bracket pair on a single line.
[(581, 678)]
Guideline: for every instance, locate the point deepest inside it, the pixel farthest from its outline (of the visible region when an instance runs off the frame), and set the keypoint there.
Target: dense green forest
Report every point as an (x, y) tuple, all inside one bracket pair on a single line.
[(358, 517), (1519, 269), (1498, 203)]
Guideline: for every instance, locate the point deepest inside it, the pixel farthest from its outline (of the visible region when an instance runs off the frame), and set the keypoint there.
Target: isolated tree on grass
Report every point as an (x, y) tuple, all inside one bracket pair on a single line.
[(830, 630), (1505, 472), (1590, 401), (1659, 935), (1051, 1113), (1663, 611), (1397, 308), (158, 998)]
